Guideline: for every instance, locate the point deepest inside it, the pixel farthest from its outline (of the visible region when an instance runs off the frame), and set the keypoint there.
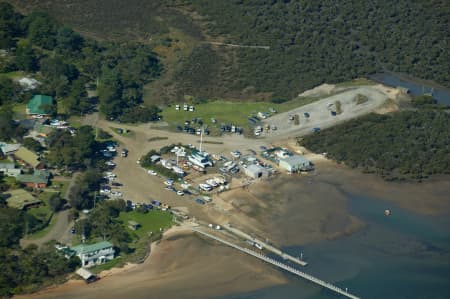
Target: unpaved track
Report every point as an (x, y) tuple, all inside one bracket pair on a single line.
[(320, 114)]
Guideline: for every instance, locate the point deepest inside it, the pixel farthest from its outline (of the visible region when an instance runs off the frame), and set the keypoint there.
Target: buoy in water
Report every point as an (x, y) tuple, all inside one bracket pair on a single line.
[(387, 212)]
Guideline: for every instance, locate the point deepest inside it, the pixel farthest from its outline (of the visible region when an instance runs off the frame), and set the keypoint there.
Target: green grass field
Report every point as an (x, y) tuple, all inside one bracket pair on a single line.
[(44, 213), (150, 222), (13, 75), (236, 113)]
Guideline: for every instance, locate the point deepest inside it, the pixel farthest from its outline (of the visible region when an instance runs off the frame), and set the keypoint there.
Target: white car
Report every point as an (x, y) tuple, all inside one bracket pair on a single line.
[(152, 172), (212, 182), (235, 154), (205, 187), (168, 182), (110, 163), (180, 193)]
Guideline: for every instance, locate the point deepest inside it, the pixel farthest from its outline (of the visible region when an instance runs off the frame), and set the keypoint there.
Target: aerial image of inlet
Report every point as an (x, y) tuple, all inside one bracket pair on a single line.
[(224, 149)]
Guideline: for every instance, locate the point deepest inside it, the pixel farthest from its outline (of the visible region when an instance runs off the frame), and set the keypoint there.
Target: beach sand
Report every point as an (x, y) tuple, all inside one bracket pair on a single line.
[(182, 265)]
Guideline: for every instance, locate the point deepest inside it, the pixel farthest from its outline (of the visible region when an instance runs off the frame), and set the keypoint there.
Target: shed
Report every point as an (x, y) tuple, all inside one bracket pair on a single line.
[(9, 169), (295, 163), (88, 276), (155, 158), (133, 225), (37, 104), (256, 171), (8, 149), (21, 199), (27, 156)]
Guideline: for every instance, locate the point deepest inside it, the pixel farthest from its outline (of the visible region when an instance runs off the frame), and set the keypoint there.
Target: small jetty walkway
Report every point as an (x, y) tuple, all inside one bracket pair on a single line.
[(267, 246), (278, 264)]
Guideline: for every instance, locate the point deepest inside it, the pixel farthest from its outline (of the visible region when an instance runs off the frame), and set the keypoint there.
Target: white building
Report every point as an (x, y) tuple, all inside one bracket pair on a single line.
[(9, 169), (256, 171), (94, 254), (296, 163)]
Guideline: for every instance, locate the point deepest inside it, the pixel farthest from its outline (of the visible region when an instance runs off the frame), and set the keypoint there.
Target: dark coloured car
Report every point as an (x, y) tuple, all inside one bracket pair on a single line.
[(200, 201), (179, 128)]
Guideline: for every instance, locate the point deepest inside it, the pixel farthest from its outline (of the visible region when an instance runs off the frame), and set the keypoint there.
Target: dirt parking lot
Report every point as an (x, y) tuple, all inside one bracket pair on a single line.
[(320, 112)]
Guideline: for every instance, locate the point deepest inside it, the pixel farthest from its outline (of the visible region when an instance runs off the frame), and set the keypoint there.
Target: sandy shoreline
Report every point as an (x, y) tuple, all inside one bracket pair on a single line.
[(169, 274), (290, 210)]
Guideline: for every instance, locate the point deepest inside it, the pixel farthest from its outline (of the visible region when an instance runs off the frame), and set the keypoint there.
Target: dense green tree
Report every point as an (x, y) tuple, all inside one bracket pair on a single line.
[(68, 42), (42, 29), (56, 202), (26, 59), (32, 145), (9, 25), (8, 91), (7, 125), (404, 145), (77, 101), (73, 152), (82, 194), (12, 227)]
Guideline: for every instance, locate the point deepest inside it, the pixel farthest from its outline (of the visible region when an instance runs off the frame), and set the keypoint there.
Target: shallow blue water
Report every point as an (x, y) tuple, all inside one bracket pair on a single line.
[(441, 94), (402, 256)]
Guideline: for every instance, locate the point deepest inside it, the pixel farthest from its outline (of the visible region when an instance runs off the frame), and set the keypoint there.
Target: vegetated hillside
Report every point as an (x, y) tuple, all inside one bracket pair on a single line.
[(403, 145), (65, 62), (310, 41), (114, 19)]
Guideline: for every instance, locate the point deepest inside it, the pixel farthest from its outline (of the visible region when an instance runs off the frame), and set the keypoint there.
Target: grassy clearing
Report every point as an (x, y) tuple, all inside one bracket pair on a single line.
[(13, 75), (236, 113), (115, 263), (60, 186), (44, 213), (75, 121), (150, 222), (41, 233)]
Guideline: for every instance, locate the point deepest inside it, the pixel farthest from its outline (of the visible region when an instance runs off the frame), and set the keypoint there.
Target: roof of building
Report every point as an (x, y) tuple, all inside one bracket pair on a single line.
[(43, 129), (28, 156), (295, 160), (85, 274), (20, 199), (38, 177), (255, 168), (7, 165), (35, 106), (8, 148), (83, 248)]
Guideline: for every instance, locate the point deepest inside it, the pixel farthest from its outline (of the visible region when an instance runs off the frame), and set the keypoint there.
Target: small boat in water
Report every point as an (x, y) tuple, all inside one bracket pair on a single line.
[(387, 212)]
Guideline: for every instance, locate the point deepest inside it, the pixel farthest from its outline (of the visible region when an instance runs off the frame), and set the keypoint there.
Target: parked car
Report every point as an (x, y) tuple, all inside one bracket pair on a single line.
[(180, 193), (200, 201), (116, 193), (152, 172)]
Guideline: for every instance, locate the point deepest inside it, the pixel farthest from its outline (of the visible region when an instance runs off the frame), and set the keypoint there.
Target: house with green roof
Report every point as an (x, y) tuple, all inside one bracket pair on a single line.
[(94, 254), (39, 179), (37, 104)]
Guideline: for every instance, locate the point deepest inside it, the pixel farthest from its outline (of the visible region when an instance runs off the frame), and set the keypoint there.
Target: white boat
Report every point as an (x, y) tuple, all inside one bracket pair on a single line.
[(200, 158)]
